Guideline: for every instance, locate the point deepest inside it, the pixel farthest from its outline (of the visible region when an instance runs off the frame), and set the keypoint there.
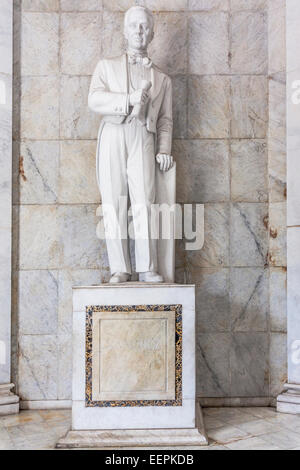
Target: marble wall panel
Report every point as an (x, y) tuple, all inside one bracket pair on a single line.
[(213, 369), (81, 248), (278, 247), (171, 31), (80, 42), (209, 107), (40, 108), (72, 278), (39, 246), (249, 106), (196, 163), (249, 234), (64, 373), (215, 251), (249, 171), (180, 107), (249, 50), (248, 4), (112, 39), (249, 299), (212, 299), (77, 172), (154, 5), (76, 120), (278, 300), (249, 364), (208, 5), (38, 302), (162, 5), (40, 43), (36, 172), (81, 5), (209, 43), (40, 5), (278, 363), (38, 357), (277, 36), (277, 138)]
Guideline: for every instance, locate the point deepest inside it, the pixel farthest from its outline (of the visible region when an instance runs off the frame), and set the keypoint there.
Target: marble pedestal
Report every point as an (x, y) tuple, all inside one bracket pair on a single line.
[(9, 403), (134, 367)]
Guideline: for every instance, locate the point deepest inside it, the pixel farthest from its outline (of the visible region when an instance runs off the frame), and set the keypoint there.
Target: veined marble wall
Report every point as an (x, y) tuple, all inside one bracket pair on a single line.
[(227, 61)]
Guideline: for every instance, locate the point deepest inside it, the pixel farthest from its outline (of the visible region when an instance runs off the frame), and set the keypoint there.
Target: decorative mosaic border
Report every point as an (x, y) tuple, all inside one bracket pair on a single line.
[(178, 353)]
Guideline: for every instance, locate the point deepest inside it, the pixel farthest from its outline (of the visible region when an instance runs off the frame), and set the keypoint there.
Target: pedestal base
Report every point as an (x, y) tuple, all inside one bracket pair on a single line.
[(289, 401), (132, 438), (136, 437), (9, 403)]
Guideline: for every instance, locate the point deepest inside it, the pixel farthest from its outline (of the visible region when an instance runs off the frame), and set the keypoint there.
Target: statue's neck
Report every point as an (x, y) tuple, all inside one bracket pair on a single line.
[(137, 52)]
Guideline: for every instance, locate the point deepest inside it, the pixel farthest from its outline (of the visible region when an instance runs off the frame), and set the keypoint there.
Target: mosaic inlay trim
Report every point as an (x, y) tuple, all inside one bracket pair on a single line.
[(178, 353)]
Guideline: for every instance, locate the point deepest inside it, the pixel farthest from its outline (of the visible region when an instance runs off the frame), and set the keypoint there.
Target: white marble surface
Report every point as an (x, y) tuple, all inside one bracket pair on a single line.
[(134, 417), (293, 110), (5, 184), (293, 305), (289, 402), (6, 36)]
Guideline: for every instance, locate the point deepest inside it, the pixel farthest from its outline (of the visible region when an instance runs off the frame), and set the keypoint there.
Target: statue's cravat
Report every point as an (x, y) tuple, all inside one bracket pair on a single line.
[(144, 61)]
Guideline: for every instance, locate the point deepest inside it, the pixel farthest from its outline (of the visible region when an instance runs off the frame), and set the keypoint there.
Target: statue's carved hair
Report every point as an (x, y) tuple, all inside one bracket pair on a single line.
[(135, 8)]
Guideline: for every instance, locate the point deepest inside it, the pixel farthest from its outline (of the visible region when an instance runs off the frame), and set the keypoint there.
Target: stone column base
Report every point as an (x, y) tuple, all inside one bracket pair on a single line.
[(289, 401), (9, 403)]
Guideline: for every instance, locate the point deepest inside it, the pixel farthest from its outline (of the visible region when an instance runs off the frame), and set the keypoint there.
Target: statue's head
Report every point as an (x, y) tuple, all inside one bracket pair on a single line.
[(139, 27)]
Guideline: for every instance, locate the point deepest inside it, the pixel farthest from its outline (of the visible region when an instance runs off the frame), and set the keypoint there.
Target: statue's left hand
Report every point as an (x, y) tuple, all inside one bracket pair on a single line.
[(165, 162)]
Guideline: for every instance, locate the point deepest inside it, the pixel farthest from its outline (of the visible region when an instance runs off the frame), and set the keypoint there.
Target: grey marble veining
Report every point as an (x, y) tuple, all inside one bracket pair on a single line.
[(38, 367), (36, 172), (249, 234), (249, 171), (213, 369), (249, 299)]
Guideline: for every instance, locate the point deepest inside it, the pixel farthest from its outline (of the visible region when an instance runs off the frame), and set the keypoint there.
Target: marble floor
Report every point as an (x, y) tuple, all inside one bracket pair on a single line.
[(227, 429)]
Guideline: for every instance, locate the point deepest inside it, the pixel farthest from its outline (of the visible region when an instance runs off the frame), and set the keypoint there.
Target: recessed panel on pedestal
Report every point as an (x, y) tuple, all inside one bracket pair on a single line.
[(134, 356)]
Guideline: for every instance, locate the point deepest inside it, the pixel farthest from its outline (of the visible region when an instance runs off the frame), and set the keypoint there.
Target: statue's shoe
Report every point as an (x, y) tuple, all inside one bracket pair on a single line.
[(150, 277), (118, 278)]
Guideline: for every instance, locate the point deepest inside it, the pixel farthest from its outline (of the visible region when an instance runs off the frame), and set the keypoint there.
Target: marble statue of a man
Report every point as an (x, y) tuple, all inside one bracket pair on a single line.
[(135, 100)]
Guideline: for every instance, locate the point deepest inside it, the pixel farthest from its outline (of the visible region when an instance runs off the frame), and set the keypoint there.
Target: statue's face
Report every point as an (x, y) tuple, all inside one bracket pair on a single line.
[(138, 30)]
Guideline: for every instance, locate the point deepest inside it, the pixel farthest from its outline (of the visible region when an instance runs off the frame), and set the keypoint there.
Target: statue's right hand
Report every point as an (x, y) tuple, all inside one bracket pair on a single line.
[(138, 97)]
